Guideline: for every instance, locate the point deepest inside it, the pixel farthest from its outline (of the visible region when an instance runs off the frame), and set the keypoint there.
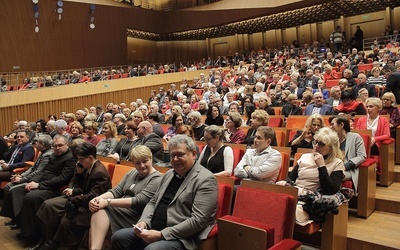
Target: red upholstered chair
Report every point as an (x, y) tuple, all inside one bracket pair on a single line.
[(275, 121), (261, 218), (119, 172), (281, 136), (225, 193)]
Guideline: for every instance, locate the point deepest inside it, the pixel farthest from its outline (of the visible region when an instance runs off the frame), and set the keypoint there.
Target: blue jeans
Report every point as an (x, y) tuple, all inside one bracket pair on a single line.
[(127, 239)]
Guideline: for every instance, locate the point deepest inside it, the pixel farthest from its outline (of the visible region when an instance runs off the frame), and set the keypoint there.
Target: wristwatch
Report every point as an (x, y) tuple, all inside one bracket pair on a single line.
[(109, 201)]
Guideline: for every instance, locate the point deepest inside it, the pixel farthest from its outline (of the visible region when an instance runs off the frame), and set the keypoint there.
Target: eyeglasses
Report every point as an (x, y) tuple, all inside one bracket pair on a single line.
[(58, 145), (179, 155), (208, 138), (81, 159), (319, 143)]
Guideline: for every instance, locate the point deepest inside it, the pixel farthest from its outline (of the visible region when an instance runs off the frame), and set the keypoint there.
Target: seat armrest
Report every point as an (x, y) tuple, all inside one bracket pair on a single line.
[(286, 244)]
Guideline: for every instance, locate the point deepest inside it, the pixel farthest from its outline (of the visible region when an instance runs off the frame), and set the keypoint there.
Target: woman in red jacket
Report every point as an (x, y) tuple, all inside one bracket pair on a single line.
[(378, 124)]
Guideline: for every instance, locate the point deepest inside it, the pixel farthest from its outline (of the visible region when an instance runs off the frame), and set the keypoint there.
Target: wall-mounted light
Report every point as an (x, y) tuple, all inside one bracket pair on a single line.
[(60, 9), (92, 8), (36, 14)]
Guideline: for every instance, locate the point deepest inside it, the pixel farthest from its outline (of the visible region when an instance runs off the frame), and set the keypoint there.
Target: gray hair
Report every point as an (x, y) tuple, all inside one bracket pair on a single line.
[(46, 140), (182, 139), (60, 124), (58, 136), (195, 114)]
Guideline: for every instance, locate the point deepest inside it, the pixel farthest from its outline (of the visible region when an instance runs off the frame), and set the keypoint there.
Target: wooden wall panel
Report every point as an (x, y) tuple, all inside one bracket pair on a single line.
[(257, 41), (33, 105), (372, 24)]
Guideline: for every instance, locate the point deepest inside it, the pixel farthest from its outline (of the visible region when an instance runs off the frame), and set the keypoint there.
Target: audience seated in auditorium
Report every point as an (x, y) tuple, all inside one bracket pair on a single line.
[(262, 162), (109, 143), (15, 190), (197, 125), (350, 105), (379, 125), (190, 213), (57, 174), (66, 218), (122, 206), (216, 157), (318, 107), (323, 169), (388, 101), (305, 138), (22, 153), (352, 145)]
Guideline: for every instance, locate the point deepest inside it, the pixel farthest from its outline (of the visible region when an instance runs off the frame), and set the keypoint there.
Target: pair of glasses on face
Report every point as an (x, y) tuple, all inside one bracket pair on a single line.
[(319, 143)]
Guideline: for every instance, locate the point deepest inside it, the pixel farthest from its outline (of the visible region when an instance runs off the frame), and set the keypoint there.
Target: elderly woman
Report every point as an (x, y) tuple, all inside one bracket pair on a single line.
[(329, 73), (215, 156), (76, 131), (304, 138), (203, 107), (265, 104), (177, 121), (388, 101), (214, 117), (119, 120), (91, 132), (233, 132), (122, 205), (323, 169), (350, 105), (378, 124), (352, 145), (125, 145), (376, 77), (363, 95), (291, 107), (109, 143)]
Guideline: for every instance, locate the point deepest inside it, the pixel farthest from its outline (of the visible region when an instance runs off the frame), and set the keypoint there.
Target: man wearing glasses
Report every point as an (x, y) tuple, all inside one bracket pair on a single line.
[(182, 212), (57, 174)]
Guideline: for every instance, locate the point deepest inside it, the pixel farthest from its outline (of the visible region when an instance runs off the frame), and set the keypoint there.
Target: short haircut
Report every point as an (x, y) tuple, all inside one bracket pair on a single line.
[(374, 101), (261, 115), (195, 114), (131, 125), (342, 119), (120, 116), (347, 94), (236, 118), (182, 139), (391, 97), (83, 148), (60, 124), (140, 153), (46, 140), (313, 117), (77, 125), (93, 125), (154, 117), (266, 131)]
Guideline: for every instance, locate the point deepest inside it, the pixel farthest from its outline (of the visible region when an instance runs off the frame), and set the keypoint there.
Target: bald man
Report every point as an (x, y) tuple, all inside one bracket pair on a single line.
[(147, 137)]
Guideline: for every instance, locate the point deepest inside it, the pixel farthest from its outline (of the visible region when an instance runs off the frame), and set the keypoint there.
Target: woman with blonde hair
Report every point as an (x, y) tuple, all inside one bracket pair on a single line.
[(76, 131), (121, 206), (108, 144), (137, 117), (379, 125), (321, 170), (388, 102), (304, 138)]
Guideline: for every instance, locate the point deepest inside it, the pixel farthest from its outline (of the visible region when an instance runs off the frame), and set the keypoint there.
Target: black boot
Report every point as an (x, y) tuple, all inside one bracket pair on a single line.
[(38, 245)]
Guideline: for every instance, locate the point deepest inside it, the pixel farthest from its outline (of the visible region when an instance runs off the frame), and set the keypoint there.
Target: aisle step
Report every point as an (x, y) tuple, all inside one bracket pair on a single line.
[(380, 231), (388, 198)]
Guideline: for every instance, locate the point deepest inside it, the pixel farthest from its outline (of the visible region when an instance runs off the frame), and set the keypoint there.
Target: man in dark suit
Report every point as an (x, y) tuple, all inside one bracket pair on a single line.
[(99, 113), (334, 100), (91, 179), (309, 80), (150, 139), (362, 83), (22, 153), (352, 67), (318, 107), (57, 174), (294, 89), (187, 197), (393, 80)]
